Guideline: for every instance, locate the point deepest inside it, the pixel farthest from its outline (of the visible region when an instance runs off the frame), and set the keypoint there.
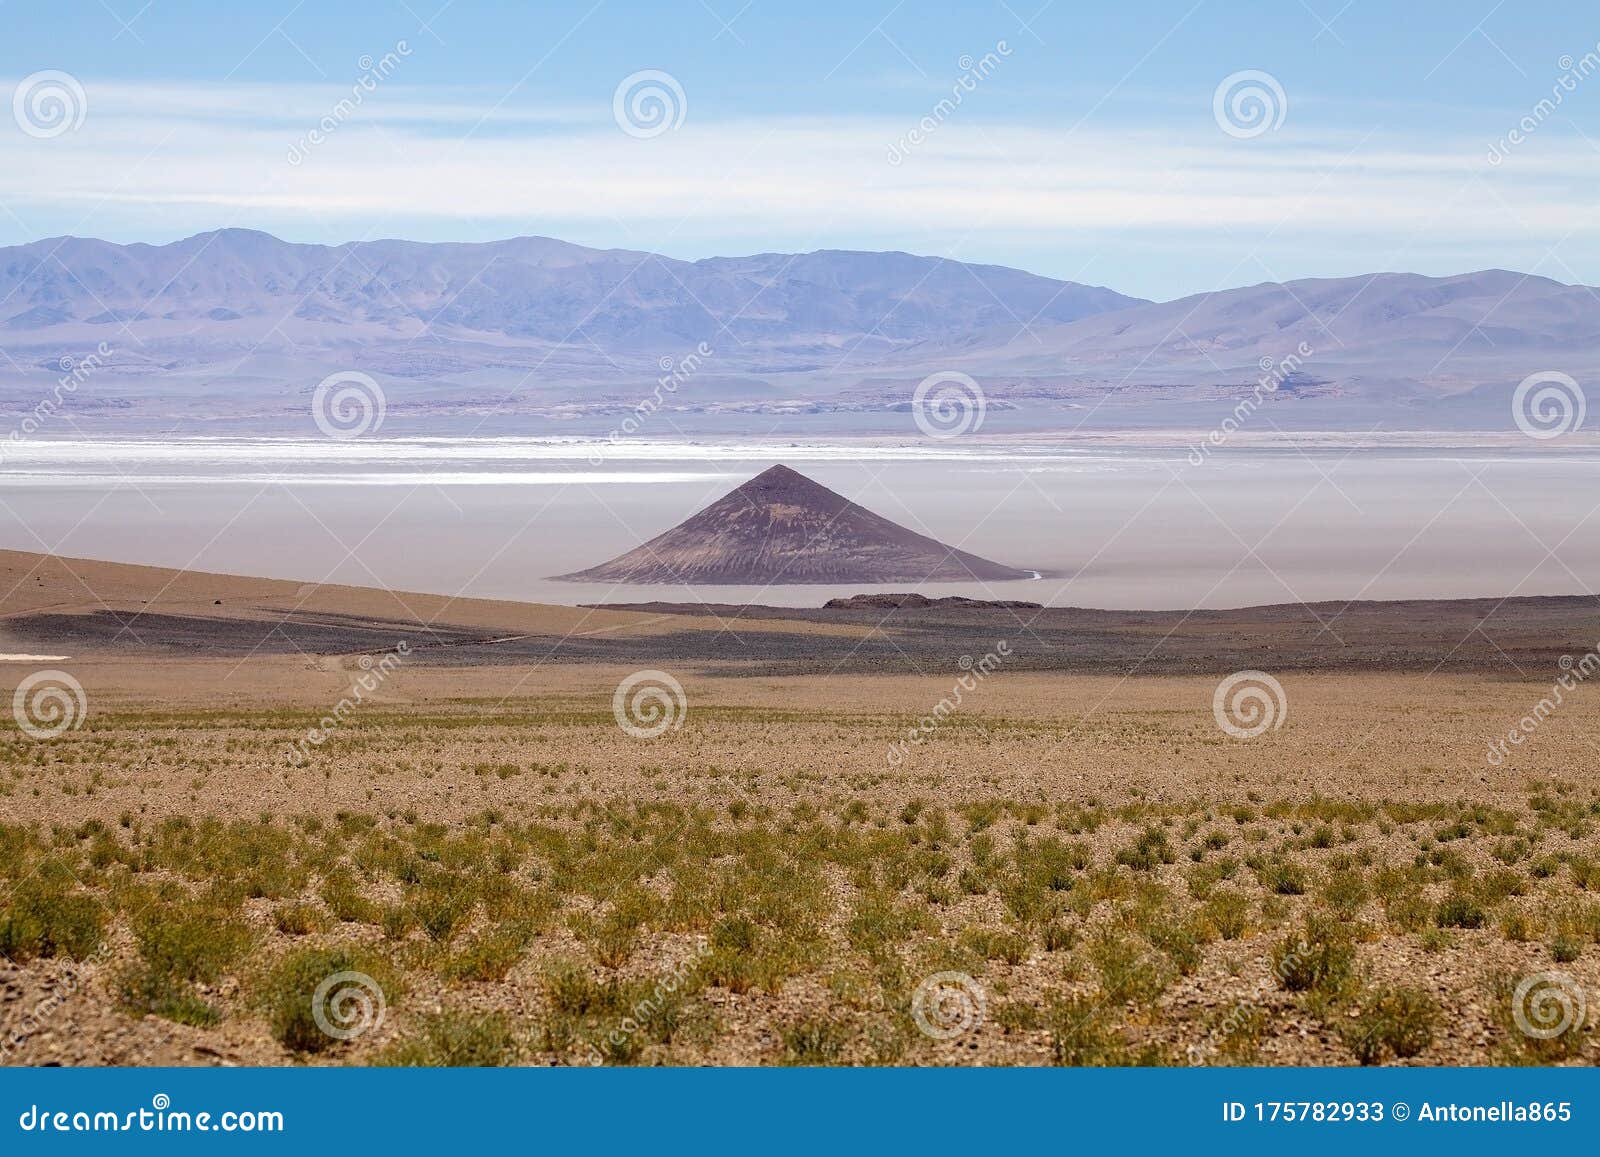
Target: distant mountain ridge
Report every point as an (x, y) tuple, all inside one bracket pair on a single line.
[(527, 288), (239, 324)]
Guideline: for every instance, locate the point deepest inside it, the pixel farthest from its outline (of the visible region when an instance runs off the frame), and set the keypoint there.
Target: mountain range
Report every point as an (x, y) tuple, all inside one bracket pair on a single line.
[(240, 324)]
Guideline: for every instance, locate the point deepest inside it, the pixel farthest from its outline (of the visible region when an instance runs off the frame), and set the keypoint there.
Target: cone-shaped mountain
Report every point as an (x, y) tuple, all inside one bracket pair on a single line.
[(781, 527)]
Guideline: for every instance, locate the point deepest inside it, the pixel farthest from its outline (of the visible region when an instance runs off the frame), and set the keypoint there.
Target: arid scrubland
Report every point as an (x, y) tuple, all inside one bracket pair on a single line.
[(482, 867)]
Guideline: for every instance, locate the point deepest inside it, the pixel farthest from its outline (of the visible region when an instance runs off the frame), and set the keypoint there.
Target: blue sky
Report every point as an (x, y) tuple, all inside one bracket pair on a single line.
[(1087, 144)]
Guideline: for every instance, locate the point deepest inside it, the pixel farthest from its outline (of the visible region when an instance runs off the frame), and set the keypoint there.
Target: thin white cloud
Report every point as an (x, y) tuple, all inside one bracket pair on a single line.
[(216, 154)]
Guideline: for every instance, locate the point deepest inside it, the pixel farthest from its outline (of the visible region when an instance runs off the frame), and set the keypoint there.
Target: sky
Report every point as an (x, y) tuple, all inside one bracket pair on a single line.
[(1093, 142)]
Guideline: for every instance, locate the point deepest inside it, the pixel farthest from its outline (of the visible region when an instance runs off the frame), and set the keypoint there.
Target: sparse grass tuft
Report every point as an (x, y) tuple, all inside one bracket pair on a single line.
[(1398, 1021), (46, 919), (813, 1040), (1320, 958), (454, 1040), (290, 987)]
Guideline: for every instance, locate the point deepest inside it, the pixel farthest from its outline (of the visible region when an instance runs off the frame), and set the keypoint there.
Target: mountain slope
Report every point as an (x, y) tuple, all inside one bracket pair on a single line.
[(1374, 314), (781, 527), (237, 327), (236, 286)]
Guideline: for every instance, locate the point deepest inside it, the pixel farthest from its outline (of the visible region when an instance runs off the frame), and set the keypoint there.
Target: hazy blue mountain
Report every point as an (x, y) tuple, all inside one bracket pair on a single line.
[(247, 286), (238, 323)]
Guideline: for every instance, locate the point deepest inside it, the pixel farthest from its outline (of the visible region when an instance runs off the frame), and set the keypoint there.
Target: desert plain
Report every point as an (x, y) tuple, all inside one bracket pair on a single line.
[(980, 836)]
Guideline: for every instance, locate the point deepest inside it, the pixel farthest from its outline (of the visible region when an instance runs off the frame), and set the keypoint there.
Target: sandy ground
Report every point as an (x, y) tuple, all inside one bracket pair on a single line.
[(1031, 752), (1057, 736)]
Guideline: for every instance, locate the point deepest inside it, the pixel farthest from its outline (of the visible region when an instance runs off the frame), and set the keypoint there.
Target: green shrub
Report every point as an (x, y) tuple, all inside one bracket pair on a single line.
[(1228, 913), (1081, 1036), (46, 920), (297, 919), (1391, 1020), (489, 955), (1565, 949), (191, 943), (1182, 941), (345, 901), (1059, 937), (1459, 911), (146, 991), (1320, 958), (1345, 891), (454, 1040), (993, 945), (1129, 972), (813, 1040), (1148, 852), (288, 996), (1282, 877)]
